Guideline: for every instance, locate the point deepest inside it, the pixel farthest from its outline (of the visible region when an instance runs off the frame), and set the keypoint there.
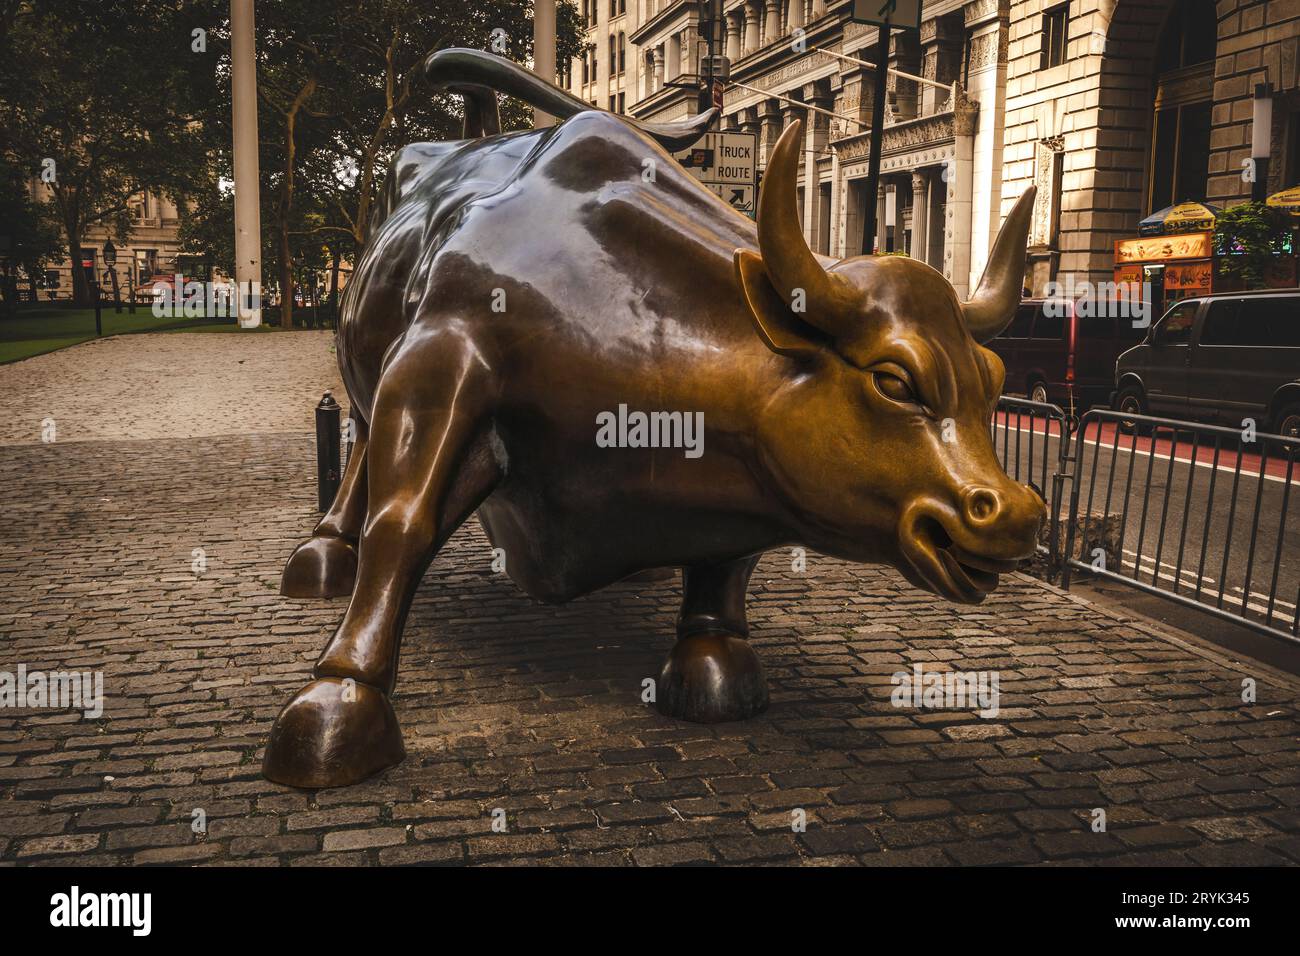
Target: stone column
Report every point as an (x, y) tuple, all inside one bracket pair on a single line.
[(988, 87), (673, 68), (816, 137), (658, 53), (881, 235), (769, 128), (961, 180), (751, 13), (920, 211), (839, 189), (818, 9), (735, 27), (772, 26), (794, 15)]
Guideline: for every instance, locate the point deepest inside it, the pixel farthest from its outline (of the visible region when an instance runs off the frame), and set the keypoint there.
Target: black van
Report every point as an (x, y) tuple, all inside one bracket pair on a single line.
[(1219, 358), (1055, 351)]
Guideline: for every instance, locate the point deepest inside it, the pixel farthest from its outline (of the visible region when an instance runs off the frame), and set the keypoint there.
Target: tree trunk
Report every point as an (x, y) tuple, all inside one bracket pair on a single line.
[(286, 276), (334, 288), (80, 288)]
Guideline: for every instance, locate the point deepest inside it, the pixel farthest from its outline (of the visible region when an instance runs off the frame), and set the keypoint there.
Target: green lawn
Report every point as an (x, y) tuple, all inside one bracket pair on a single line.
[(39, 329)]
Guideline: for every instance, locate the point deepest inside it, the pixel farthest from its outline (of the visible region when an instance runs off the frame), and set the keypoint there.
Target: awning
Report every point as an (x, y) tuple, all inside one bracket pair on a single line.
[(1287, 199), (1184, 217)]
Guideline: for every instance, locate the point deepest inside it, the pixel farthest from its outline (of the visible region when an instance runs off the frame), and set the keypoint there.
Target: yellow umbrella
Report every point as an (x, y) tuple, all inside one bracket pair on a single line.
[(1184, 217), (1287, 199)]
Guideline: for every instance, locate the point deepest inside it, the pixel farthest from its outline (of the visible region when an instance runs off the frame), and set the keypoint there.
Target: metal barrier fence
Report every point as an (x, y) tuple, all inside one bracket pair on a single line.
[(1177, 501), (1146, 475), (1032, 440)]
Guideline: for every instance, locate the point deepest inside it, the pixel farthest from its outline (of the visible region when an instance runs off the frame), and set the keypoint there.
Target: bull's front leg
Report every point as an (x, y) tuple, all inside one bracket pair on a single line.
[(713, 674), (430, 466)]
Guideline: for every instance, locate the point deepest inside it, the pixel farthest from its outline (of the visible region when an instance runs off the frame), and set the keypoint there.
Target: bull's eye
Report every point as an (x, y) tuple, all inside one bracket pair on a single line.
[(894, 388)]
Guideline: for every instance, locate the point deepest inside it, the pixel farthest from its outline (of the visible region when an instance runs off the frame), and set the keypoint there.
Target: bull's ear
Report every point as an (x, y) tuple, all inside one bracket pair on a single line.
[(777, 325)]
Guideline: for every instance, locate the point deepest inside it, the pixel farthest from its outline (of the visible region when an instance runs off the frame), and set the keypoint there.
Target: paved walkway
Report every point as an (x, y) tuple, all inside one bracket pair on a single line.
[(536, 713), (179, 385)]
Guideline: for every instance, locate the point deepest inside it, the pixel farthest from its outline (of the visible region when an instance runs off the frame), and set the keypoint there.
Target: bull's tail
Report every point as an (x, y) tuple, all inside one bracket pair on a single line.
[(479, 76)]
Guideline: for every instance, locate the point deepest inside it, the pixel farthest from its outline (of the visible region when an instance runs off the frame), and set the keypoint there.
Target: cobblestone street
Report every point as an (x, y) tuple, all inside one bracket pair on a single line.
[(537, 711)]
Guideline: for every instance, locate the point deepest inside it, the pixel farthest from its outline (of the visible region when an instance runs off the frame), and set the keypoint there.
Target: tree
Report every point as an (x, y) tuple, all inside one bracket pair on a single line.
[(340, 90), (1249, 238), (29, 233), (97, 102)]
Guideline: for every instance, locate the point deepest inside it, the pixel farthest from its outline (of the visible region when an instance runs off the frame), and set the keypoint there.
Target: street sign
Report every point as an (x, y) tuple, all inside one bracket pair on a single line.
[(900, 14), (726, 164), (740, 196)]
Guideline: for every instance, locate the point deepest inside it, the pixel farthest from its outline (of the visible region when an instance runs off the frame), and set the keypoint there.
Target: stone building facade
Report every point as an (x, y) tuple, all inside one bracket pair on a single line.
[(152, 247), (1115, 108)]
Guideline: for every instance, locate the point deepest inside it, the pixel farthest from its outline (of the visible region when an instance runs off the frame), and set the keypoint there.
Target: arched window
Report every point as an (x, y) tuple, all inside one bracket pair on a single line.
[(1184, 93)]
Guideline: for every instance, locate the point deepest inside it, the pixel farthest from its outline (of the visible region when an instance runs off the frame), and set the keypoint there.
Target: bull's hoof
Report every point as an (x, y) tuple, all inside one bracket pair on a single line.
[(332, 734), (710, 678), (320, 567)]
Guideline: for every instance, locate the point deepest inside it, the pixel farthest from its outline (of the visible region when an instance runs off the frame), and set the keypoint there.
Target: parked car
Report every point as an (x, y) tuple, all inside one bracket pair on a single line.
[(1221, 359), (1055, 352)]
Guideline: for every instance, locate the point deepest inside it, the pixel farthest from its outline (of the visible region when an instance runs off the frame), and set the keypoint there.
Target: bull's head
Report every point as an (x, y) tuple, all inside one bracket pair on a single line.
[(880, 442)]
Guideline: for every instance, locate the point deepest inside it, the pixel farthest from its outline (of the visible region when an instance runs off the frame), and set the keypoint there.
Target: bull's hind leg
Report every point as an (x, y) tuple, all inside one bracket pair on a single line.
[(430, 465), (325, 565), (712, 674)]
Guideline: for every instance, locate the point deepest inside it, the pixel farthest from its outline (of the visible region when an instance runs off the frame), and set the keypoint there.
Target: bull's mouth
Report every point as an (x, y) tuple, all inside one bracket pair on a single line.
[(948, 569)]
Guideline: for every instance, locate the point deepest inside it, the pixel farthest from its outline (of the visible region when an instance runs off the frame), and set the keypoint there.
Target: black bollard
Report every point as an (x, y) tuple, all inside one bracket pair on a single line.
[(328, 464)]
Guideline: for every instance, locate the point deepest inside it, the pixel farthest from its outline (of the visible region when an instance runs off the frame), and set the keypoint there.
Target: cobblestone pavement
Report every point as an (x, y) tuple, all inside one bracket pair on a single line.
[(537, 711)]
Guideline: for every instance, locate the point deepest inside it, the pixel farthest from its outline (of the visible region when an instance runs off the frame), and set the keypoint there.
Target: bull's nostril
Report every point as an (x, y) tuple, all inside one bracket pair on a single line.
[(981, 505)]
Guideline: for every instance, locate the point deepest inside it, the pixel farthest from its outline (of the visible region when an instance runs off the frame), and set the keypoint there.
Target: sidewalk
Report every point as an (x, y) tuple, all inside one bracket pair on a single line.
[(537, 711)]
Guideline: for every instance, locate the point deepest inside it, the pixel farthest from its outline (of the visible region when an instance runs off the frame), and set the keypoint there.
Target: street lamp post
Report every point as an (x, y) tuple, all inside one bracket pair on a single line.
[(110, 260)]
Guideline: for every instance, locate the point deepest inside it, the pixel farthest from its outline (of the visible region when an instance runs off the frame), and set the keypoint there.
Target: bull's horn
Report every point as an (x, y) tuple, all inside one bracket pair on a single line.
[(996, 297), (788, 261)]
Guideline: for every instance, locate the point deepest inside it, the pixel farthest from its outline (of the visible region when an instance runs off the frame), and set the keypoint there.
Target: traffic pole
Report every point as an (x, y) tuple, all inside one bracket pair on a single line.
[(877, 139)]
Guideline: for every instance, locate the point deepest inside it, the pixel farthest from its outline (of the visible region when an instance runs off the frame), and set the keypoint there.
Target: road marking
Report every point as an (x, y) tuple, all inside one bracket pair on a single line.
[(1295, 477)]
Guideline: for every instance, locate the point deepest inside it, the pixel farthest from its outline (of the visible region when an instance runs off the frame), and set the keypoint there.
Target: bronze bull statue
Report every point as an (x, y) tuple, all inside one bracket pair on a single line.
[(563, 331)]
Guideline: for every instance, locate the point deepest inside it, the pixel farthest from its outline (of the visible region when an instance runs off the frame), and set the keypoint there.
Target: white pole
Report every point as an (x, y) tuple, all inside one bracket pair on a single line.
[(248, 216), (544, 52)]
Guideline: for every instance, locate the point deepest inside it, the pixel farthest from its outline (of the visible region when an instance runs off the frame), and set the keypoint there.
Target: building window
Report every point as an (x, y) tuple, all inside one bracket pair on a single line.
[(622, 103), (586, 65), (613, 55), (613, 103), (622, 53), (1056, 23), (1183, 104)]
